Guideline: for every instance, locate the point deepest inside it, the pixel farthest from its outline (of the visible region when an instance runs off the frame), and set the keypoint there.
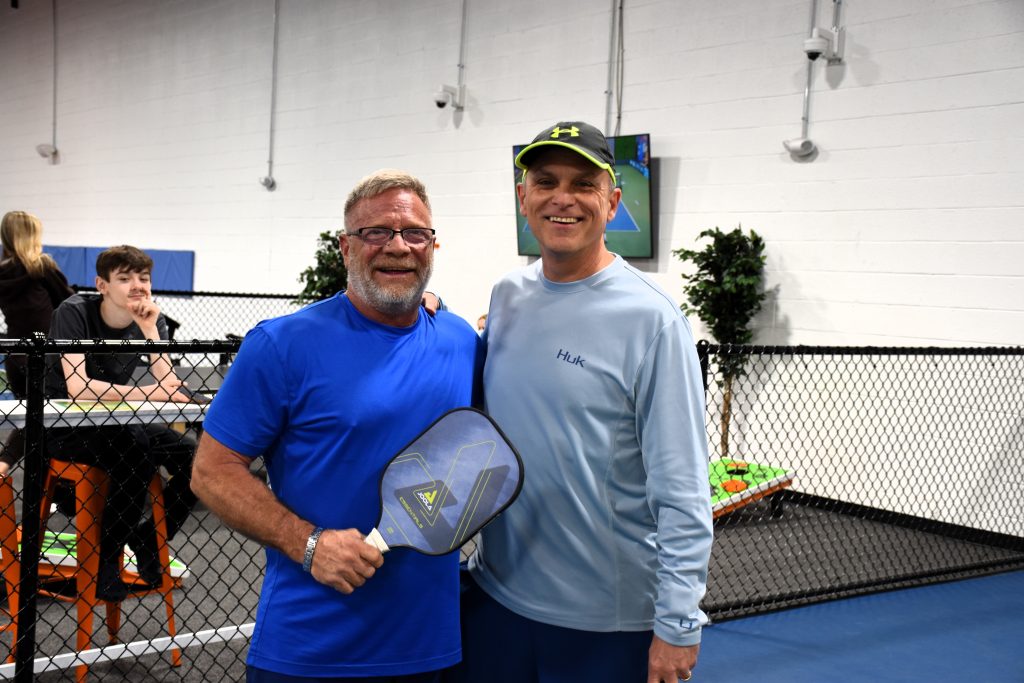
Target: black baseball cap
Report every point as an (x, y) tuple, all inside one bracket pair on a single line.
[(578, 136)]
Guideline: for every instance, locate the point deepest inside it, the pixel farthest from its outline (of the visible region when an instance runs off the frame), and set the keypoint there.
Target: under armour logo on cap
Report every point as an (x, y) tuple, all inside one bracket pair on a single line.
[(573, 131)]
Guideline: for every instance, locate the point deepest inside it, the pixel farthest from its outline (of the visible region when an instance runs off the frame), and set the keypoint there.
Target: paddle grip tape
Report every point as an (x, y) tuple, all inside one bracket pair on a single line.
[(307, 560), (376, 540)]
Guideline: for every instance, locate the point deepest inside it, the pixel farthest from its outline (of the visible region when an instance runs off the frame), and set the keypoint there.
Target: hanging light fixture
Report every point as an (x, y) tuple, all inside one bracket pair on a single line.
[(268, 181), (48, 150)]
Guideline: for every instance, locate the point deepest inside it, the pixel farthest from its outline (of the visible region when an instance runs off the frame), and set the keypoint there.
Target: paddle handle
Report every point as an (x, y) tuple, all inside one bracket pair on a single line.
[(375, 539)]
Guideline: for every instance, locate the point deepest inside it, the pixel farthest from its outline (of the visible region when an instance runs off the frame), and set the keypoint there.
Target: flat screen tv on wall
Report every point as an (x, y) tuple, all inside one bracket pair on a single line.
[(631, 233)]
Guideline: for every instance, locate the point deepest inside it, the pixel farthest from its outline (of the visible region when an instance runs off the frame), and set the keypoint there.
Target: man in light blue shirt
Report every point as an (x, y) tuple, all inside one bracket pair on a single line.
[(597, 571)]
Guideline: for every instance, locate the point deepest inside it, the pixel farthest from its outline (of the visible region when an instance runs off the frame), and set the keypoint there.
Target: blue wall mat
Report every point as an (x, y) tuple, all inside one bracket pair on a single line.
[(73, 264), (172, 269), (90, 259)]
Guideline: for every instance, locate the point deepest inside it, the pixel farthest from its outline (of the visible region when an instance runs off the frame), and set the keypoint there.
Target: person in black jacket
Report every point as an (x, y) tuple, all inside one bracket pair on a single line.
[(31, 287)]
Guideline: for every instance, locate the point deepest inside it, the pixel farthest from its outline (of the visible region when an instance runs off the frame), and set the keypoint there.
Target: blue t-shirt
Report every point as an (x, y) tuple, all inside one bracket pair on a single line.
[(328, 396)]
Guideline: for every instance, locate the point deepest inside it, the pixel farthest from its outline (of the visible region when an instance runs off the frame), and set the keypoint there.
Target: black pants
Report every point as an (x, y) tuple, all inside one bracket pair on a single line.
[(130, 455)]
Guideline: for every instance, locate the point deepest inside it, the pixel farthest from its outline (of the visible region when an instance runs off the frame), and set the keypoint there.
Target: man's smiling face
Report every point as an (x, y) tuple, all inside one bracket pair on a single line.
[(386, 283), (125, 287), (567, 201)]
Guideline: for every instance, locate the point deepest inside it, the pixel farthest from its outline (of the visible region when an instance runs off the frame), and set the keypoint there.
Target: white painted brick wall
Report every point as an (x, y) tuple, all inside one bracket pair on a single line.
[(906, 230)]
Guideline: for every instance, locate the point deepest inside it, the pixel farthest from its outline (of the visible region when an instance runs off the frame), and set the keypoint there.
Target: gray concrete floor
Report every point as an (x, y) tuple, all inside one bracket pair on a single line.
[(222, 589)]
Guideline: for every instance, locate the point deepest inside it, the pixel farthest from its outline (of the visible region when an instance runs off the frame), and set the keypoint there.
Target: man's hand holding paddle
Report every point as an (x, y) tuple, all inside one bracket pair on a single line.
[(344, 561)]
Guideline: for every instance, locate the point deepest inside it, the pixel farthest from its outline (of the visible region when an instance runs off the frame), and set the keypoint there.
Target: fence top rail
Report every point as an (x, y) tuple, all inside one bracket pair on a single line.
[(751, 349), (202, 345), (183, 292), (39, 345)]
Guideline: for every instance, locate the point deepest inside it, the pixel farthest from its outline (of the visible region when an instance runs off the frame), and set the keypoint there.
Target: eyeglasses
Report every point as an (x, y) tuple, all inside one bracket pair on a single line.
[(378, 237)]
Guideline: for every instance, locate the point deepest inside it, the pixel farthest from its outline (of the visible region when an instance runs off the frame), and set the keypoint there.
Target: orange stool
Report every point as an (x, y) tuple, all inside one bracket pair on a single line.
[(90, 485), (10, 561), (10, 567)]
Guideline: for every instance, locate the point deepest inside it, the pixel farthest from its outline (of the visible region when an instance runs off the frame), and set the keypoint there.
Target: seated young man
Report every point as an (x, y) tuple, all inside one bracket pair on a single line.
[(130, 454)]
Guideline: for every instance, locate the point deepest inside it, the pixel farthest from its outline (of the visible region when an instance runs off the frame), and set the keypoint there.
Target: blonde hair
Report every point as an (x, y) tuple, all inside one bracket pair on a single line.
[(379, 182), (22, 236)]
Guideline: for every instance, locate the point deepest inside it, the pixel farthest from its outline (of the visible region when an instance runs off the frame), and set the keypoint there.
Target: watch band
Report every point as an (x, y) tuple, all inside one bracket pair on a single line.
[(307, 560)]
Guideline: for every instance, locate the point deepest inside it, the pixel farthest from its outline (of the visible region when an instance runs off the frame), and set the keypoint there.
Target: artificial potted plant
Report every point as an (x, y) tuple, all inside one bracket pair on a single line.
[(725, 290), (328, 276)]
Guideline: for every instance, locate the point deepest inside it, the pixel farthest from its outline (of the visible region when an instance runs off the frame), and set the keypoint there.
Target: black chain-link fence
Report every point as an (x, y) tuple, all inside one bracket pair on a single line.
[(212, 315), (217, 315), (214, 573), (86, 467), (883, 468), (843, 471)]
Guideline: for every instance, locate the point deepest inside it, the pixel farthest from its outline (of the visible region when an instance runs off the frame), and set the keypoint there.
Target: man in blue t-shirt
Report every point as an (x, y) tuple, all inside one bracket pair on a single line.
[(327, 396)]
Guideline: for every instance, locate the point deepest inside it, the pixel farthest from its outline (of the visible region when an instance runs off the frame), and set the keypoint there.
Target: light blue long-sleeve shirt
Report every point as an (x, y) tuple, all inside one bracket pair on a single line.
[(598, 385)]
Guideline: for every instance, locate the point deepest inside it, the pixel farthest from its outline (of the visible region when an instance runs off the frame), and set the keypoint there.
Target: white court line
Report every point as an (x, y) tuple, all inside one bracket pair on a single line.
[(136, 649)]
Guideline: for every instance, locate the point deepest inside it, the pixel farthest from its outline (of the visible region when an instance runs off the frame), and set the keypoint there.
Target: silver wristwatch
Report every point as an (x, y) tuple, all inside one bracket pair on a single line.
[(307, 560)]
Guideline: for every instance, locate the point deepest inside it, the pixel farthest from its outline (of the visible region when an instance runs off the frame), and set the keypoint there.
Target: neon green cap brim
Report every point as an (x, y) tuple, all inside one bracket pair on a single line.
[(583, 153)]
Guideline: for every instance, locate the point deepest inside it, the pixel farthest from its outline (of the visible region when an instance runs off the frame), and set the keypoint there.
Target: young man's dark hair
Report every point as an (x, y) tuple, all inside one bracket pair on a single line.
[(123, 257)]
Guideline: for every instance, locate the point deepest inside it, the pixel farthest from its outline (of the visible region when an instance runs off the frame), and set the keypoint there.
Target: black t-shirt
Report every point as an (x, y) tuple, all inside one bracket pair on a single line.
[(78, 317)]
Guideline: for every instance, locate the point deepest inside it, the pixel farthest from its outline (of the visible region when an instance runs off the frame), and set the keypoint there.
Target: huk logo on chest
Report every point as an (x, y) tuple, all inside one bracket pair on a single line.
[(570, 359)]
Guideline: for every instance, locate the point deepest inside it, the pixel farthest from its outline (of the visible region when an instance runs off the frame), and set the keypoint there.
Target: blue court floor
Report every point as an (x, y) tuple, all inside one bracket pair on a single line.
[(969, 631)]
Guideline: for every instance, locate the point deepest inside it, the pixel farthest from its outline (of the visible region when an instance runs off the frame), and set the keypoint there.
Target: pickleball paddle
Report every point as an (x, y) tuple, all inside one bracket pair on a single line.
[(193, 396), (455, 477)]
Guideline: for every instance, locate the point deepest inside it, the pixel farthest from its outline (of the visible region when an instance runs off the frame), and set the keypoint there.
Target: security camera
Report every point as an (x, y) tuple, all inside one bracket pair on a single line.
[(448, 94), (824, 42), (815, 47), (444, 96), (799, 147)]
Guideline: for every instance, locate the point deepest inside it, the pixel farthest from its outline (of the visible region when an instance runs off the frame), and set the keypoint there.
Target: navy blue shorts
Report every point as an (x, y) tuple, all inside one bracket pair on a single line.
[(254, 675), (499, 646)]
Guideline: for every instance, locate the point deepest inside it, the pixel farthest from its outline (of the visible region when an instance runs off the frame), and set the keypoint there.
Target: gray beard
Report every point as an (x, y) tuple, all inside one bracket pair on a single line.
[(390, 302)]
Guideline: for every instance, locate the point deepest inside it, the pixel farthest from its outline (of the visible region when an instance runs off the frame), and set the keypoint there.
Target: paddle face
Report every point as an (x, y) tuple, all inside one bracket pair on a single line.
[(443, 487)]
